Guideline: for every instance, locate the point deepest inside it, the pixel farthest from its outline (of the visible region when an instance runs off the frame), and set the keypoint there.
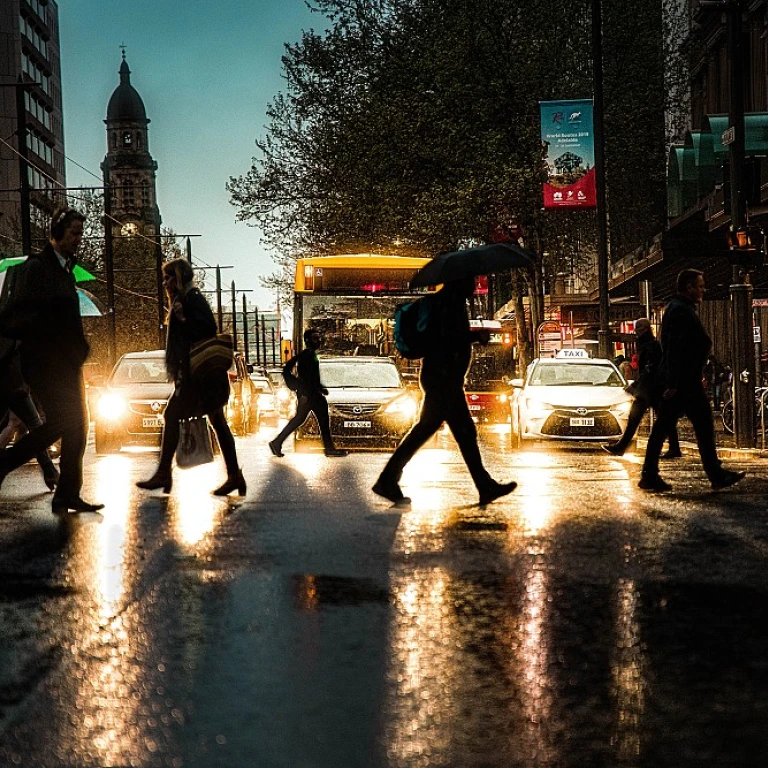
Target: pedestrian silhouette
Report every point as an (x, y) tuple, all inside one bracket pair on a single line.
[(645, 390), (43, 313), (685, 347), (310, 394), (190, 320), (443, 369)]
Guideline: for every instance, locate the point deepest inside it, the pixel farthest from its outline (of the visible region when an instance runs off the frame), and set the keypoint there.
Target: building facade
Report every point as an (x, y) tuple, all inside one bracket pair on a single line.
[(29, 53)]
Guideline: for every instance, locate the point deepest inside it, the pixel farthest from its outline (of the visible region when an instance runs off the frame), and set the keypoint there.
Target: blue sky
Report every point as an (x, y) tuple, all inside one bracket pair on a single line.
[(206, 72)]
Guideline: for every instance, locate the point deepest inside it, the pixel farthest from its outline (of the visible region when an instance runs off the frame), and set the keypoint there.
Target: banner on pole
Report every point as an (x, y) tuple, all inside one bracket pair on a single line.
[(569, 150)]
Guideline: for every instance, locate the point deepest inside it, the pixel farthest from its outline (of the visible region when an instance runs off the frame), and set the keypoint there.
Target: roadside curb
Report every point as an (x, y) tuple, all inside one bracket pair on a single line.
[(691, 449)]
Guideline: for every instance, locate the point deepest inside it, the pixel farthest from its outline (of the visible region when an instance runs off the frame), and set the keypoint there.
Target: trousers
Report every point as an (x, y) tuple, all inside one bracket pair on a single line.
[(441, 404), (639, 408), (306, 404)]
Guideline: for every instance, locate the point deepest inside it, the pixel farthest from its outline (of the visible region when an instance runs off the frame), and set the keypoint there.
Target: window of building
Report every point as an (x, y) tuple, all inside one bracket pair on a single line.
[(145, 196), (127, 138)]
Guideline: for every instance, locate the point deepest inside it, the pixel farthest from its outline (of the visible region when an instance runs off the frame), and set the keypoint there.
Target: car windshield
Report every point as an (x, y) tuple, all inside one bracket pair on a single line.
[(140, 370), (360, 375), (575, 375)]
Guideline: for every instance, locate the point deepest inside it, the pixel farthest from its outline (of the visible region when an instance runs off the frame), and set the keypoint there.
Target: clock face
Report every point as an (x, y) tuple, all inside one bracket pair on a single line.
[(129, 229)]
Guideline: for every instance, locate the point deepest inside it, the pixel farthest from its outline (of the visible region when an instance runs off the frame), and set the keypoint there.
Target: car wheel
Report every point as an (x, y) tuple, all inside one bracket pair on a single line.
[(105, 443)]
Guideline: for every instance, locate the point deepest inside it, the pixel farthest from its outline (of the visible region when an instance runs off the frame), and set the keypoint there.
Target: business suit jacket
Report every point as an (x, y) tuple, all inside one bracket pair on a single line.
[(685, 346)]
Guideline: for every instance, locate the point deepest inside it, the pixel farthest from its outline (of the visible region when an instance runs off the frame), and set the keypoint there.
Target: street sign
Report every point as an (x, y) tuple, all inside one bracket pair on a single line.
[(756, 333), (760, 302), (729, 136)]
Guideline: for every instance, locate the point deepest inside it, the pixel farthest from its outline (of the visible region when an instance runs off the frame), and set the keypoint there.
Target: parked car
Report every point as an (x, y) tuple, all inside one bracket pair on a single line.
[(129, 410), (569, 397), (242, 408), (370, 405), (266, 401)]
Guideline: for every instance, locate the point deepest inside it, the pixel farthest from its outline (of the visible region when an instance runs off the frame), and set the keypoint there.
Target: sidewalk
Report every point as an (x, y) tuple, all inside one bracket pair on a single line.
[(726, 447)]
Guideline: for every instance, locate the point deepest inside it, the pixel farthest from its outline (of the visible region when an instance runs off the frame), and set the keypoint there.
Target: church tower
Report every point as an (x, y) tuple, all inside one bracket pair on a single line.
[(128, 167)]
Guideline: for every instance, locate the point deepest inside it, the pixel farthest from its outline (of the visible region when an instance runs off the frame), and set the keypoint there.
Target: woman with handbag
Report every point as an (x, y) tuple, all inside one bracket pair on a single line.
[(191, 321)]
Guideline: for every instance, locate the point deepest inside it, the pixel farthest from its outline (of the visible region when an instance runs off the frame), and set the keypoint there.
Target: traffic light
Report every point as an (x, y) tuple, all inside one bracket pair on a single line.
[(286, 351), (746, 247)]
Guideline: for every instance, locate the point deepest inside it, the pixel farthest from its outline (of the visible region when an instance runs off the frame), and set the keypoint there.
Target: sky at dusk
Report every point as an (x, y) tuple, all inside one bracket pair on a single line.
[(206, 72)]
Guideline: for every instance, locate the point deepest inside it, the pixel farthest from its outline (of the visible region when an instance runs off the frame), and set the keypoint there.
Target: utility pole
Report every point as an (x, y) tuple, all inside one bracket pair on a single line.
[(604, 334), (234, 318), (109, 269), (256, 337), (189, 249), (219, 314), (245, 331)]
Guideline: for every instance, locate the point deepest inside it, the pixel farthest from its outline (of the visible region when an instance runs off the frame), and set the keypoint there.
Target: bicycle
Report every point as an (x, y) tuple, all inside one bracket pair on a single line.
[(726, 413)]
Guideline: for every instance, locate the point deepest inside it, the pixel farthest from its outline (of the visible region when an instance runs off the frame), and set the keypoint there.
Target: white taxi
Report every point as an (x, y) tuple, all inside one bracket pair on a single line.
[(569, 397)]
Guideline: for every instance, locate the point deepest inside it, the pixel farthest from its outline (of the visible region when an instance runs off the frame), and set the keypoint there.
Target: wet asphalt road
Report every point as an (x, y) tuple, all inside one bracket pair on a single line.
[(578, 622)]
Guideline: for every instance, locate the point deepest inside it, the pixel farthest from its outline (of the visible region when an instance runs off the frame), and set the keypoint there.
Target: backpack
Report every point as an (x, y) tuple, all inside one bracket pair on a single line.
[(413, 331), (291, 380)]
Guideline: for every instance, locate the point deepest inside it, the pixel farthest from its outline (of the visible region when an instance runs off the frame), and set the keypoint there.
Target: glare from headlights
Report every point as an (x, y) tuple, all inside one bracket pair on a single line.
[(404, 407), (621, 407), (112, 407), (536, 409), (503, 397)]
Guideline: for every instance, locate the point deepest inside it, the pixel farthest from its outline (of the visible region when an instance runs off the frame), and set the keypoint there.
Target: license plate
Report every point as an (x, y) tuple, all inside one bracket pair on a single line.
[(475, 407), (357, 424), (583, 422), (151, 422)]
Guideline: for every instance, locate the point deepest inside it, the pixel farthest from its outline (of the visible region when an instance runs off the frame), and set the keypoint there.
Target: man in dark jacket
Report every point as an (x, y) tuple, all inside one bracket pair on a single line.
[(645, 391), (443, 369), (311, 396), (685, 347), (53, 349)]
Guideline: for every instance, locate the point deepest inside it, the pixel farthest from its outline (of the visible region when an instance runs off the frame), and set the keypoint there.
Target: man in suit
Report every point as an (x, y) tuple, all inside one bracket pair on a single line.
[(53, 349), (685, 347), (311, 396)]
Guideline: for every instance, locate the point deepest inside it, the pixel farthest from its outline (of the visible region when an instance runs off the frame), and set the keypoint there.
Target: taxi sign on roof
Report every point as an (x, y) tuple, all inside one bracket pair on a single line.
[(582, 353)]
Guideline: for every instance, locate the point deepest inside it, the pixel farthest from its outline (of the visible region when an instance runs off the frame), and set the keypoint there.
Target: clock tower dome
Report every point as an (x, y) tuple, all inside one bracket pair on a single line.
[(128, 168)]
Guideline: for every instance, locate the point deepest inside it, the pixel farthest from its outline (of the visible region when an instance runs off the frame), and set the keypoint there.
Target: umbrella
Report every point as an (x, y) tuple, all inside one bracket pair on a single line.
[(81, 275), (90, 306), (483, 260)]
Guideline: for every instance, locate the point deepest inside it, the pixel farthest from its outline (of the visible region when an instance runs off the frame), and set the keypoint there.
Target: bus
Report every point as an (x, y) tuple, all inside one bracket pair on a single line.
[(352, 299)]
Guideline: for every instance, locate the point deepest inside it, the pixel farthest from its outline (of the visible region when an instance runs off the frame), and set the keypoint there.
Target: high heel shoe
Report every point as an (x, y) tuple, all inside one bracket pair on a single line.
[(162, 480), (232, 482), (52, 480)]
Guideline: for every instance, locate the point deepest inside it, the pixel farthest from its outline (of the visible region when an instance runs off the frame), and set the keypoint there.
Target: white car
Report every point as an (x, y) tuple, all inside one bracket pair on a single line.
[(569, 397), (267, 400)]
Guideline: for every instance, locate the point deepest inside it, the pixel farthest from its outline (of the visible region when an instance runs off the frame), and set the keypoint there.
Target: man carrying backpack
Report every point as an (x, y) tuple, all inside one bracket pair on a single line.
[(311, 395), (445, 364)]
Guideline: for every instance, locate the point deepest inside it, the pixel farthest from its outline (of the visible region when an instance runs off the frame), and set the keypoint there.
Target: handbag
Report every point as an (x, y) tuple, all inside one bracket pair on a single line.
[(208, 355), (195, 445)]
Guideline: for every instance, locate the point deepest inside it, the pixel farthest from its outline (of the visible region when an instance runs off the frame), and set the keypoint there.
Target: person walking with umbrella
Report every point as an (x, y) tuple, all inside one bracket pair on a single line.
[(443, 369)]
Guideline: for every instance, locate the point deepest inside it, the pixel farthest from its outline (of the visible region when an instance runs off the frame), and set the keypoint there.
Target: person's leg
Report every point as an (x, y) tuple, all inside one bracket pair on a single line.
[(25, 418), (319, 406), (11, 428), (636, 413), (173, 414), (226, 441), (302, 411), (430, 420), (464, 431), (697, 409), (665, 424), (74, 438)]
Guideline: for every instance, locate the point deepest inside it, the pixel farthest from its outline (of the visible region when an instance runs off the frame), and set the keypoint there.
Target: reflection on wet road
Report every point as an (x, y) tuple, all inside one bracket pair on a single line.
[(576, 622)]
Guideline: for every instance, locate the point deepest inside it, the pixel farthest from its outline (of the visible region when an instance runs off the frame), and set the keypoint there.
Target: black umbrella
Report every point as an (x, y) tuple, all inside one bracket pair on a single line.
[(496, 257)]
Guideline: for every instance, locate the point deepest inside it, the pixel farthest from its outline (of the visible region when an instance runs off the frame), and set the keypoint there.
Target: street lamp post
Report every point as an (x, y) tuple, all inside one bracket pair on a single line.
[(742, 345)]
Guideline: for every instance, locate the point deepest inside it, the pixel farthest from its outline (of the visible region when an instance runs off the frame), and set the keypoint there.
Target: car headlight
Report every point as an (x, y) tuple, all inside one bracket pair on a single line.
[(537, 409), (404, 407), (112, 407), (503, 397), (621, 408)]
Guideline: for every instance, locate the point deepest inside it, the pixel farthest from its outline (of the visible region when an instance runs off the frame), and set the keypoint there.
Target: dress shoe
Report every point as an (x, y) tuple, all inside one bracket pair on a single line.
[(390, 490), (162, 480), (727, 479), (496, 491), (232, 482), (336, 452), (52, 479), (275, 448), (73, 504), (613, 449), (653, 483), (671, 455)]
